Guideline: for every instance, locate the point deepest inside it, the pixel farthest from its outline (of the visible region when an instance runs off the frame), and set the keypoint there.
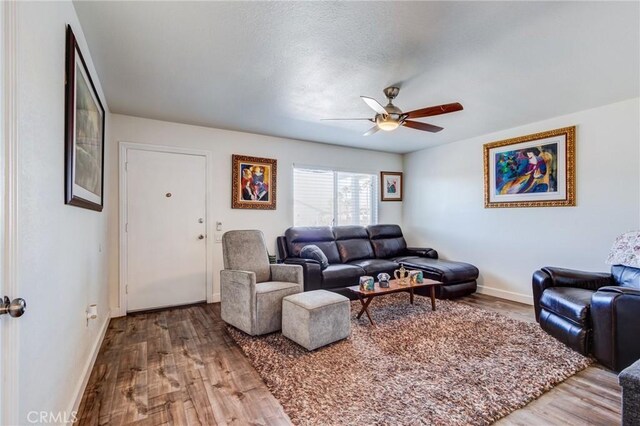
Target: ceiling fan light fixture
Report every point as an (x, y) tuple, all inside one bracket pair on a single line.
[(387, 123), (390, 117)]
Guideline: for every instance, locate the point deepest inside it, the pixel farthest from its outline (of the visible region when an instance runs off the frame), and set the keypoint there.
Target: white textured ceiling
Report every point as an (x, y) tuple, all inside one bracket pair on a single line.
[(277, 68)]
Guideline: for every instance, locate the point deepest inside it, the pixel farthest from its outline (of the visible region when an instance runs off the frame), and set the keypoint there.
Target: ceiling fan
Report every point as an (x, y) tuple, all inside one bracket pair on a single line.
[(390, 117)]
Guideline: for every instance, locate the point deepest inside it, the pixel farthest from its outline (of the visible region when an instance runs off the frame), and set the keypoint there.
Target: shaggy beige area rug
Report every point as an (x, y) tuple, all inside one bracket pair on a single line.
[(458, 365)]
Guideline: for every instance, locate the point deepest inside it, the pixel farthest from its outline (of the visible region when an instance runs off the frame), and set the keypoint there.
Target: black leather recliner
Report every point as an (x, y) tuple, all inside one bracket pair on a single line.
[(593, 313)]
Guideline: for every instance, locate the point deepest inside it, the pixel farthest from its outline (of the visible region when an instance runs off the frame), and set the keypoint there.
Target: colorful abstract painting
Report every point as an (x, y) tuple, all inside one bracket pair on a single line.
[(531, 171), (253, 182), (527, 170)]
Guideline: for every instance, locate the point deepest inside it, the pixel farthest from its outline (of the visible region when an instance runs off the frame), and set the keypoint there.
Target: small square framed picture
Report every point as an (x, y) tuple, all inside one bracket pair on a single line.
[(391, 186)]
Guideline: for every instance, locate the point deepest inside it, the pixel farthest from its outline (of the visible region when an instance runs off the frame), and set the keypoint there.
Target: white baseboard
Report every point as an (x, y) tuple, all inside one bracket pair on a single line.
[(117, 312), (504, 294), (215, 298), (88, 366)]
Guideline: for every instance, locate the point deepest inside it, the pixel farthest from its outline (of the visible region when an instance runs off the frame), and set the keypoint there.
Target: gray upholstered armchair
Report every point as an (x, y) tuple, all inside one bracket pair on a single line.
[(251, 290)]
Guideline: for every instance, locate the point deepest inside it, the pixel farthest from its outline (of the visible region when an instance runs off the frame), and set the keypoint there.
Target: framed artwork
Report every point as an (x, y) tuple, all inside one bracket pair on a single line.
[(391, 186), (531, 171), (253, 182), (84, 133)]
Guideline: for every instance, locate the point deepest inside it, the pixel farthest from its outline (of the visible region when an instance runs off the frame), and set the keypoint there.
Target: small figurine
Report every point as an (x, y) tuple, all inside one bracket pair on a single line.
[(416, 277), (367, 283), (401, 275), (383, 280)]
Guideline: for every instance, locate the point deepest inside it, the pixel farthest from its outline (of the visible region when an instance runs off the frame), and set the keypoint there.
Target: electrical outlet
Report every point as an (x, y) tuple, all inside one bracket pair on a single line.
[(218, 237)]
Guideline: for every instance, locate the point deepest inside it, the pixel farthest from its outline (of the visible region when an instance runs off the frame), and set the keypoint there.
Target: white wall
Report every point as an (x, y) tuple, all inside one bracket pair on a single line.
[(60, 267), (222, 144), (444, 205)]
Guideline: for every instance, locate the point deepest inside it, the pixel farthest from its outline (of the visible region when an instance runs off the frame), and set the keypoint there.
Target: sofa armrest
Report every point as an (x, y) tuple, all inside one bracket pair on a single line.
[(311, 272), (246, 278), (422, 252), (615, 314), (238, 298), (287, 273), (622, 290), (561, 277), (539, 283)]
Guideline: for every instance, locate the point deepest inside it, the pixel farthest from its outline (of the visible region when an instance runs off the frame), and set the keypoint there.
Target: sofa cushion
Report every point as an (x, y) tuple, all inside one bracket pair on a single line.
[(350, 232), (387, 240), (403, 258), (353, 243), (313, 252), (351, 250), (445, 271), (626, 276), (375, 266), (321, 236), (341, 275), (246, 250), (568, 302), (575, 336)]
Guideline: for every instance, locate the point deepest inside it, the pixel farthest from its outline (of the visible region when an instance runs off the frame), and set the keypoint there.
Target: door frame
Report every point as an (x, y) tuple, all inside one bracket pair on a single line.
[(126, 146), (9, 284)]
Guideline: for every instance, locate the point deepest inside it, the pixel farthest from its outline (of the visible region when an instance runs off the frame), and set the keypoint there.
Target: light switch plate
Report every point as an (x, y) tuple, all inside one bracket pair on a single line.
[(218, 237)]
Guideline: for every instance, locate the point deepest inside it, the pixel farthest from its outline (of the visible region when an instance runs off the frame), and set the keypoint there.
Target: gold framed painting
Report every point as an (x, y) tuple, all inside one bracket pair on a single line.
[(536, 170), (253, 182)]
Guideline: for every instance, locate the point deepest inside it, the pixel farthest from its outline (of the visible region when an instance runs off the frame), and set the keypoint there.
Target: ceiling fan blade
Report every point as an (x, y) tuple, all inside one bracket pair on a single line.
[(371, 131), (342, 119), (434, 110), (374, 105), (422, 126)]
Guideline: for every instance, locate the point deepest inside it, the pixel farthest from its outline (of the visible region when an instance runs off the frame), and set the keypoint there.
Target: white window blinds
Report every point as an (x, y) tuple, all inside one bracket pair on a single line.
[(328, 197)]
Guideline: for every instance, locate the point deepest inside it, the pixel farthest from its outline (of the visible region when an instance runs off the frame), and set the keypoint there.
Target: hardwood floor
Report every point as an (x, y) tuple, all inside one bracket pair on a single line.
[(180, 367)]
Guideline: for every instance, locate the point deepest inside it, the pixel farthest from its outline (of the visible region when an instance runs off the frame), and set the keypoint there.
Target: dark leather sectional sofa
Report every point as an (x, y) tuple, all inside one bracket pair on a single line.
[(354, 251)]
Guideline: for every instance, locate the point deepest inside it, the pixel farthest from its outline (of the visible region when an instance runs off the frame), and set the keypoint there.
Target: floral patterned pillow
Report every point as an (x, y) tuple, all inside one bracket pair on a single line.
[(626, 250)]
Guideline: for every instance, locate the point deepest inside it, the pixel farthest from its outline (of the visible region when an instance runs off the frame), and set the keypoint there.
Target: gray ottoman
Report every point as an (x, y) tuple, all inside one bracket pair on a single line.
[(316, 318), (630, 381)]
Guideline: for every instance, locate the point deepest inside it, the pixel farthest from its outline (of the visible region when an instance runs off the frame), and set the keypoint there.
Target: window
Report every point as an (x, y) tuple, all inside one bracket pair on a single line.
[(330, 197)]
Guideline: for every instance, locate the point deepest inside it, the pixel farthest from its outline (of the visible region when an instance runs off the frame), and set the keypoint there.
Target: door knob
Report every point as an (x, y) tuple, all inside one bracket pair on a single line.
[(201, 237), (15, 308)]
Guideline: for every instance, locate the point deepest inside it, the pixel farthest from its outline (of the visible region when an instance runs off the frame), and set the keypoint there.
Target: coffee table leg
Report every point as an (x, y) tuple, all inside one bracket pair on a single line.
[(433, 298), (411, 295), (365, 308)]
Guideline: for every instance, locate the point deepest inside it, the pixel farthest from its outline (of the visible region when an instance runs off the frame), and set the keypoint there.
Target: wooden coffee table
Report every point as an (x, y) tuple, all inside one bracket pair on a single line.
[(366, 297)]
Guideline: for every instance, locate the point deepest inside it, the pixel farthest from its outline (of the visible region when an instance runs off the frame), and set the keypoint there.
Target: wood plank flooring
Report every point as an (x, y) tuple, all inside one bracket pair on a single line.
[(180, 367)]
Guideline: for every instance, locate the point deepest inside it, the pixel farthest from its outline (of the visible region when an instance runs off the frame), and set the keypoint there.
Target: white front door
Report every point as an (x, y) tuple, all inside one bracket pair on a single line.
[(166, 229), (9, 326)]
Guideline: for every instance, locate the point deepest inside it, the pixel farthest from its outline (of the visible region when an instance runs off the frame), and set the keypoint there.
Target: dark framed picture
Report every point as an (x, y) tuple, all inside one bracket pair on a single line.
[(535, 170), (254, 182), (84, 133), (391, 186)]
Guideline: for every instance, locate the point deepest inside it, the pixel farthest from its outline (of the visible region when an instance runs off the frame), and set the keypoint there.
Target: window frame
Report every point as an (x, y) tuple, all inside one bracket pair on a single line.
[(335, 171)]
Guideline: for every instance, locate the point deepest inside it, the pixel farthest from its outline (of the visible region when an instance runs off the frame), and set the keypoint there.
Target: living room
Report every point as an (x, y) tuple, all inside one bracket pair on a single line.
[(255, 100)]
